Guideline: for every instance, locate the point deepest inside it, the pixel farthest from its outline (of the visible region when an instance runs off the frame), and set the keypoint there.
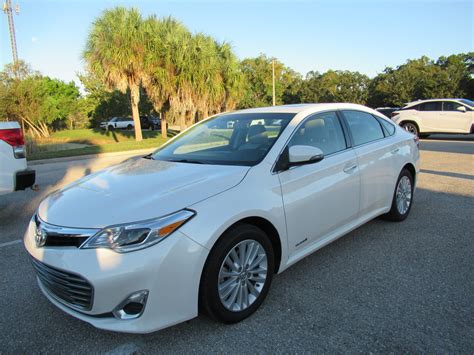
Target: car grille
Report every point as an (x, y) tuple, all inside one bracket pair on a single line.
[(56, 236), (71, 289)]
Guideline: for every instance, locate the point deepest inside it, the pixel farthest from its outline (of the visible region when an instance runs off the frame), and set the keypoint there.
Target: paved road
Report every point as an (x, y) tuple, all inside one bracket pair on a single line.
[(403, 287)]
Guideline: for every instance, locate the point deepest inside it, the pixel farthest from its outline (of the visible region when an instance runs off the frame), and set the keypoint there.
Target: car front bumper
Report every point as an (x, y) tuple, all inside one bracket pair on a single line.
[(170, 271)]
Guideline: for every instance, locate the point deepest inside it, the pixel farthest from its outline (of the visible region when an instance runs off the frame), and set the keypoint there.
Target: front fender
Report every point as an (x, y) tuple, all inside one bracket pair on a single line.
[(219, 212)]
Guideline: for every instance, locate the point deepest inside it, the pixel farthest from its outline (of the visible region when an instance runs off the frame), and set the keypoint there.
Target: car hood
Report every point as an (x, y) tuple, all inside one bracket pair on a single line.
[(136, 190)]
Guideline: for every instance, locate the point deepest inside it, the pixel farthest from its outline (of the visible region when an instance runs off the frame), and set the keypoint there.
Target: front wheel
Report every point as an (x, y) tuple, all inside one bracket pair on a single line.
[(129, 127), (402, 198), (410, 127), (237, 275)]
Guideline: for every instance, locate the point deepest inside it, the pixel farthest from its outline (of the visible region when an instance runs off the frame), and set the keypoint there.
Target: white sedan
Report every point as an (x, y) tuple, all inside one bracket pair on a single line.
[(206, 221)]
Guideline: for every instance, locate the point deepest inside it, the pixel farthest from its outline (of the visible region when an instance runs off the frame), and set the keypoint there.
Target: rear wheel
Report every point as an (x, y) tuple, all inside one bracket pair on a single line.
[(402, 197), (237, 275), (411, 127), (129, 126)]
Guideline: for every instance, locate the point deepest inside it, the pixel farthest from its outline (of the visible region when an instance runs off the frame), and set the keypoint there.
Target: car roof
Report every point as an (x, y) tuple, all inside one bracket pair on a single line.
[(297, 108), (430, 100)]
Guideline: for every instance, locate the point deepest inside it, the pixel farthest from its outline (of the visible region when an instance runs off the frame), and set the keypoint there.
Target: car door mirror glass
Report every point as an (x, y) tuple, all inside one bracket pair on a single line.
[(461, 109), (304, 154)]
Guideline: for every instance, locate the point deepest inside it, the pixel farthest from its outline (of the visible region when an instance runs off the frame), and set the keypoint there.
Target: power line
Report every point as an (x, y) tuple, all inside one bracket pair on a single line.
[(8, 10)]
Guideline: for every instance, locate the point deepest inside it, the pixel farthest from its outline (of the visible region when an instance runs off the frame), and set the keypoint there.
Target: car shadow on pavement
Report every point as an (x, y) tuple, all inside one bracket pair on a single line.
[(448, 173)]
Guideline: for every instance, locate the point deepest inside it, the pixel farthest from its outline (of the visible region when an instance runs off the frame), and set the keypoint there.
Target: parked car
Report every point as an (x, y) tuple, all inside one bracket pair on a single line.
[(387, 111), (118, 123), (424, 117), (150, 122), (14, 173), (205, 221)]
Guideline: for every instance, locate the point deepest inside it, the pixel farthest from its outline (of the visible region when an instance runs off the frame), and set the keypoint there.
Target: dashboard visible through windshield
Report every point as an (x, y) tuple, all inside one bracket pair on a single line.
[(227, 139)]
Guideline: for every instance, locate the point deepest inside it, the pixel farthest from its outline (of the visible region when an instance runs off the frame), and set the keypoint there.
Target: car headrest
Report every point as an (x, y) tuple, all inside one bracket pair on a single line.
[(257, 134)]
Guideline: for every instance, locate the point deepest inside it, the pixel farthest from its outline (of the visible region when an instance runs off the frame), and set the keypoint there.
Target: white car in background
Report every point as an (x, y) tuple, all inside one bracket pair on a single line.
[(424, 117), (118, 123), (14, 174), (205, 221)]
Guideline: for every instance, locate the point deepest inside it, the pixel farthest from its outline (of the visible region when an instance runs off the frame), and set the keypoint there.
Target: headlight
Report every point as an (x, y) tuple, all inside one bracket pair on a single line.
[(138, 235)]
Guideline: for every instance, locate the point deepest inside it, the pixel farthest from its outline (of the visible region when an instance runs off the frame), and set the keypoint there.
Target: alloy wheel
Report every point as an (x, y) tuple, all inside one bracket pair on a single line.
[(410, 127), (242, 275), (404, 192)]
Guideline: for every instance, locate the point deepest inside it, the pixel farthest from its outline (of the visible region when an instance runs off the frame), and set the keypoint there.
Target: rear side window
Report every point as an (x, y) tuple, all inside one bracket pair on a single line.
[(363, 126), (387, 127), (322, 131), (431, 106)]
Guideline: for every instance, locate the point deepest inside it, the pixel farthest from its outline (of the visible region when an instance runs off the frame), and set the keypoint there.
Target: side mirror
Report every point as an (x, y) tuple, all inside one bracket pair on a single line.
[(461, 109), (304, 154)]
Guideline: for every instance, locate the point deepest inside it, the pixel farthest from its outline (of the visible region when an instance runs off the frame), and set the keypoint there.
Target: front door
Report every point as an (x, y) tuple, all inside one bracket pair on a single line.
[(454, 121), (321, 197)]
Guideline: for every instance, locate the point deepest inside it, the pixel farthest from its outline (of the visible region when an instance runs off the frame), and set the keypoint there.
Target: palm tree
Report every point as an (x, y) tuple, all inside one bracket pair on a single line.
[(115, 53), (166, 46)]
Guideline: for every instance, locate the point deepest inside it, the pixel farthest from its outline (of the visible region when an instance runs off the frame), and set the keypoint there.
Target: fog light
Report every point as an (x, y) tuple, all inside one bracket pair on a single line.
[(132, 307)]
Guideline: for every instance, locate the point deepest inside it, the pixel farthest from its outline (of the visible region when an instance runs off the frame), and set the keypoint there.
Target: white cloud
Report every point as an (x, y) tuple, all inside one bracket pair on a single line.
[(34, 39)]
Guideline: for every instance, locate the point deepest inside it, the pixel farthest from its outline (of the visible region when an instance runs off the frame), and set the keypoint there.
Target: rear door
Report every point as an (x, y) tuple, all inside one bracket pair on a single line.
[(430, 114), (454, 121), (375, 154), (321, 197)]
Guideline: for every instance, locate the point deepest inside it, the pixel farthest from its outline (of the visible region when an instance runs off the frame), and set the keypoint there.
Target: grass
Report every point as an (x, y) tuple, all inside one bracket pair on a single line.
[(97, 141)]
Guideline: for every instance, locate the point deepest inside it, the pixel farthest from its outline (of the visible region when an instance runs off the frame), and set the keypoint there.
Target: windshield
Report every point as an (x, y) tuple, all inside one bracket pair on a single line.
[(227, 139), (467, 102)]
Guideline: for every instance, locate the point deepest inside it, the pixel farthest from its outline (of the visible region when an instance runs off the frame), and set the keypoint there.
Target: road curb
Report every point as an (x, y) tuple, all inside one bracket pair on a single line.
[(88, 156)]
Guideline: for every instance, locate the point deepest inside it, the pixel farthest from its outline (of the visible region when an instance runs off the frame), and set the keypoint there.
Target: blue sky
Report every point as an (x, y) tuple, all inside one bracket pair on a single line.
[(365, 36)]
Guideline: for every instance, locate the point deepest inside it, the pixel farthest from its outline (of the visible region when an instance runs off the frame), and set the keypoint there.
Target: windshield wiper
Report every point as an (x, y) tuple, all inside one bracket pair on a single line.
[(186, 161), (148, 156)]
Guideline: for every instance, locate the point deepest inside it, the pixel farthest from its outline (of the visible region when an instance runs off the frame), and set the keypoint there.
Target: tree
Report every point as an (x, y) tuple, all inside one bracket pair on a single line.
[(258, 78), (423, 78), (335, 86), (188, 76), (115, 52), (35, 100)]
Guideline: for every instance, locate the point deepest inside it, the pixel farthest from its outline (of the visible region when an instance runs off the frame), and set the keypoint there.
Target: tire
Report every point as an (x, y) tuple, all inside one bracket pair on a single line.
[(129, 126), (397, 212), (110, 128), (227, 308), (410, 127)]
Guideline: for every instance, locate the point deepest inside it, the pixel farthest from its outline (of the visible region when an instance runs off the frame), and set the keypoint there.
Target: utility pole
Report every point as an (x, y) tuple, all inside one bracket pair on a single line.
[(8, 10), (273, 80)]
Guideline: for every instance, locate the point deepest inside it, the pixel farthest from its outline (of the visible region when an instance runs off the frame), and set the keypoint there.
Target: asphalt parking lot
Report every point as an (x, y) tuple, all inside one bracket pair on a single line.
[(398, 287)]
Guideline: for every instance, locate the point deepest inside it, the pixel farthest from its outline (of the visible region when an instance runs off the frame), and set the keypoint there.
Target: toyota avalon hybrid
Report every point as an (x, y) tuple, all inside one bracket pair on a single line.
[(205, 221)]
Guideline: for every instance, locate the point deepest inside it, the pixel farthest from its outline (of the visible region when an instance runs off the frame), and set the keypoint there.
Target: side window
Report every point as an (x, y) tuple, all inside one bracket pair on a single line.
[(387, 126), (364, 127), (431, 106), (323, 131), (450, 106)]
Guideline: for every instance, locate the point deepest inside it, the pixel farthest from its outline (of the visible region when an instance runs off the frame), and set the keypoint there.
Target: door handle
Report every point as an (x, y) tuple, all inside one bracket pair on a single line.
[(349, 169), (395, 151)]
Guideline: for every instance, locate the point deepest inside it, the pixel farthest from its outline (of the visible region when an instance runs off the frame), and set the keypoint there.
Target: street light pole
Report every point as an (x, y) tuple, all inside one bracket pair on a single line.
[(8, 10), (273, 80)]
